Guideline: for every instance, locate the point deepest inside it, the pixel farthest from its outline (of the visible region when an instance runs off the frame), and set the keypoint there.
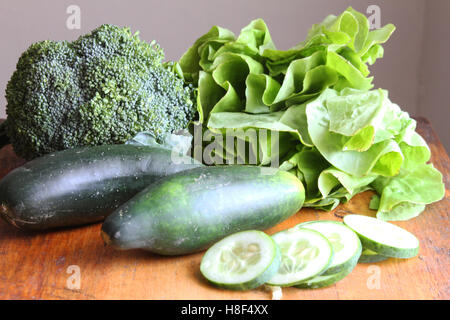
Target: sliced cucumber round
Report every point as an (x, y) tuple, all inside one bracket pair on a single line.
[(345, 242), (326, 280), (369, 256), (241, 261), (305, 254), (383, 237)]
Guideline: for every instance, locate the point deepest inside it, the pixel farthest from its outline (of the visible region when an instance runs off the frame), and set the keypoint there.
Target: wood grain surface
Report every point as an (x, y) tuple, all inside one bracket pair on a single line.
[(41, 265)]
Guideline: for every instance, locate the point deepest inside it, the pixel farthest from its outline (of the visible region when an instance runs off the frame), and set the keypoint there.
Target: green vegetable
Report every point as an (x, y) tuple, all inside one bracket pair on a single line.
[(305, 254), (404, 196), (345, 242), (102, 88), (189, 211), (315, 105), (249, 74), (394, 164), (82, 185), (242, 261), (383, 237), (382, 158)]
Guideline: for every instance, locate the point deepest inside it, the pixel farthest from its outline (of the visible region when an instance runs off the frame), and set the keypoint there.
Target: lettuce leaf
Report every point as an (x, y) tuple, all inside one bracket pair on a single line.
[(405, 195), (311, 110)]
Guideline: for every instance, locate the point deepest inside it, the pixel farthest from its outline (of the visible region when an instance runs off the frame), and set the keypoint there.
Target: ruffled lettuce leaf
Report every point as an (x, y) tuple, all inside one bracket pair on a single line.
[(250, 75), (405, 195), (311, 111), (203, 47), (383, 158)]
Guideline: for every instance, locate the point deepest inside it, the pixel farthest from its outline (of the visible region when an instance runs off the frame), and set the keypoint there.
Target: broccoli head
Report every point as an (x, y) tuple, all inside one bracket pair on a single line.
[(103, 88)]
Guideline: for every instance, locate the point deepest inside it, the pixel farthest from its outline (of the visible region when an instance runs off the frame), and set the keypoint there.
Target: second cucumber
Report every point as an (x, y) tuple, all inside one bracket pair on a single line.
[(191, 210)]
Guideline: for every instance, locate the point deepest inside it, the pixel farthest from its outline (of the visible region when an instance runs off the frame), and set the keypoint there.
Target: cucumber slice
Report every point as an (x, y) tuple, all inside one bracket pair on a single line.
[(345, 242), (326, 280), (241, 261), (305, 254), (383, 237), (369, 256)]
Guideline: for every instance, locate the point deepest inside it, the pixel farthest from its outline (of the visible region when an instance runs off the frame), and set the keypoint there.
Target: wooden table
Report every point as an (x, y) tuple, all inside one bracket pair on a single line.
[(46, 265)]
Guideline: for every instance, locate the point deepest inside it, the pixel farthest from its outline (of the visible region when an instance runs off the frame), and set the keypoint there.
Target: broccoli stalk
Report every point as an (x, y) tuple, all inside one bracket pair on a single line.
[(103, 88)]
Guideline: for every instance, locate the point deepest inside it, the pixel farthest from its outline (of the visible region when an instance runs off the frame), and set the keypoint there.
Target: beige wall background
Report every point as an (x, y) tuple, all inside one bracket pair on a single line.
[(415, 68)]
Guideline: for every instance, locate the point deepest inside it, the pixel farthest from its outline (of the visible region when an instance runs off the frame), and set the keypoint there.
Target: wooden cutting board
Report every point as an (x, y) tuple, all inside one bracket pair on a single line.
[(74, 263)]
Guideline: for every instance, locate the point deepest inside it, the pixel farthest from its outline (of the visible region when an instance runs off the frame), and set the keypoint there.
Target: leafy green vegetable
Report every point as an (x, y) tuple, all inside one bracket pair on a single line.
[(312, 109), (249, 74), (384, 157), (405, 195)]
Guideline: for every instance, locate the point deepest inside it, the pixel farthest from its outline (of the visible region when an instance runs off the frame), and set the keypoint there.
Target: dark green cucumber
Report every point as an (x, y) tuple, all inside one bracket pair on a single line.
[(83, 185), (189, 211)]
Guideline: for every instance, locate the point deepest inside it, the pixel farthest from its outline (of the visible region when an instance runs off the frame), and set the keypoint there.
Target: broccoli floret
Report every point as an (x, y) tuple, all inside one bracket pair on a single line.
[(103, 88)]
